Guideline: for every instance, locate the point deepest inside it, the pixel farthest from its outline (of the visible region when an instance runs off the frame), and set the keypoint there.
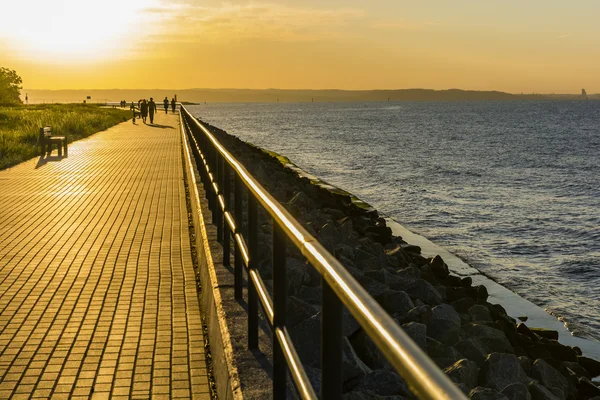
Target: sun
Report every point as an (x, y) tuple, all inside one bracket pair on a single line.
[(74, 29)]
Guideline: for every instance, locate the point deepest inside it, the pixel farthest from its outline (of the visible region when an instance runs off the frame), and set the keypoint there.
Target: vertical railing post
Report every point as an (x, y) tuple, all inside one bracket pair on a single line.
[(253, 252), (213, 170), (219, 181), (280, 310), (331, 345), (238, 197), (227, 196)]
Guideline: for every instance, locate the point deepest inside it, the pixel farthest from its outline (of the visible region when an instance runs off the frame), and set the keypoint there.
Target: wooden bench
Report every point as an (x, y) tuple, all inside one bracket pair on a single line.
[(47, 140)]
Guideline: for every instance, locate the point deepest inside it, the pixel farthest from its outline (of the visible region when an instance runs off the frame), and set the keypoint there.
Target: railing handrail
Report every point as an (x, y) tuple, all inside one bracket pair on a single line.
[(423, 376)]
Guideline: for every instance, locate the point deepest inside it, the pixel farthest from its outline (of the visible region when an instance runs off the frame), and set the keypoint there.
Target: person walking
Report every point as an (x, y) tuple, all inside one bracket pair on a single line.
[(151, 109), (173, 105), (166, 103), (144, 110)]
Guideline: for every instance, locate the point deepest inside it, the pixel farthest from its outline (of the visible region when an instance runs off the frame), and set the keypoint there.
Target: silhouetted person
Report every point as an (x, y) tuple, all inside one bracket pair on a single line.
[(144, 110), (166, 103), (173, 105), (151, 109)]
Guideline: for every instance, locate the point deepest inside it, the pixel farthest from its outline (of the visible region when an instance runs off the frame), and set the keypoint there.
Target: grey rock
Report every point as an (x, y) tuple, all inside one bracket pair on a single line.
[(444, 331), (351, 325), (314, 376), (517, 391), (329, 232), (311, 294), (417, 332), (369, 352), (297, 275), (394, 301), (421, 289), (525, 364), (446, 312), (307, 338), (298, 311), (483, 393), (539, 392), (463, 371), (353, 367), (577, 369), (444, 356), (550, 378), (375, 288), (480, 313), (473, 350), (439, 267), (493, 340), (463, 305), (421, 314), (384, 383), (500, 370)]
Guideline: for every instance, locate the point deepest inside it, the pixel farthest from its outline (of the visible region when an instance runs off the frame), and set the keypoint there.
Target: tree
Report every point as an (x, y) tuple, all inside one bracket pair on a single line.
[(10, 87)]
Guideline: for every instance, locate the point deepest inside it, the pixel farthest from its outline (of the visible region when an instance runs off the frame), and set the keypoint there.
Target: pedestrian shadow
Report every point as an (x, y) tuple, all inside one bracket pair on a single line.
[(43, 160), (160, 126)]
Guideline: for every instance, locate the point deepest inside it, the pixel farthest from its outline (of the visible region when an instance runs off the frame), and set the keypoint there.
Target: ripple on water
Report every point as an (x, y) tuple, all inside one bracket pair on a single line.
[(511, 187)]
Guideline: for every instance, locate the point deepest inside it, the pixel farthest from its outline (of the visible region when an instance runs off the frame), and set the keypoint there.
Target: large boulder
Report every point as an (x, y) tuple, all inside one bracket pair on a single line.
[(592, 366), (444, 356), (307, 338), (517, 391), (421, 314), (417, 332), (493, 340), (420, 289), (445, 326), (463, 371), (298, 311), (297, 275), (551, 378), (500, 370), (480, 313), (384, 383), (353, 367), (473, 350), (394, 301), (539, 392), (483, 393)]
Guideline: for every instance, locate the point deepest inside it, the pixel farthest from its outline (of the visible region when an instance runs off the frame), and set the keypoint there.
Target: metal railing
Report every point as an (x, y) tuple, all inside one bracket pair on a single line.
[(216, 167)]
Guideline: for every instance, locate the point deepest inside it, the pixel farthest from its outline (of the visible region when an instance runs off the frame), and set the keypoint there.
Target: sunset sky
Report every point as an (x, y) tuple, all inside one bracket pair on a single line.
[(515, 46)]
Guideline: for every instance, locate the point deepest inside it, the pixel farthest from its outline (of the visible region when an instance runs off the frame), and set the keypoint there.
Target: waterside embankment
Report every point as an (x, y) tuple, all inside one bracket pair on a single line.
[(483, 349)]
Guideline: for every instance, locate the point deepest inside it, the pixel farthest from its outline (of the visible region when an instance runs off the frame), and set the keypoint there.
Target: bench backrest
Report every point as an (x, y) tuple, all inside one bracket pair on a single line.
[(45, 132)]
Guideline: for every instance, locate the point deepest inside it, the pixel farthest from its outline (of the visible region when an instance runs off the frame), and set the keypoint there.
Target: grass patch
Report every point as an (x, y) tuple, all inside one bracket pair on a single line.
[(20, 126)]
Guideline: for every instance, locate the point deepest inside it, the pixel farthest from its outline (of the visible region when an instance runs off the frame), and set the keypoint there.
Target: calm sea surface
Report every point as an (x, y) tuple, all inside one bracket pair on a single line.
[(513, 188)]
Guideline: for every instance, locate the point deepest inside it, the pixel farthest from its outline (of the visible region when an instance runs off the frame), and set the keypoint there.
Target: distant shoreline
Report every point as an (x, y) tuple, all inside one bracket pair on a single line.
[(201, 96)]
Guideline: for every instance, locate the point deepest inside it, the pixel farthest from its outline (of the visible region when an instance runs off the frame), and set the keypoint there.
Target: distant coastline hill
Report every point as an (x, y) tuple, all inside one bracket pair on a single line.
[(274, 95)]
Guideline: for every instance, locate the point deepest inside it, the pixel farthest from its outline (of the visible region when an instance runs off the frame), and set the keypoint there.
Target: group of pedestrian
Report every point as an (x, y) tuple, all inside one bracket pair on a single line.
[(148, 108), (123, 103), (166, 103)]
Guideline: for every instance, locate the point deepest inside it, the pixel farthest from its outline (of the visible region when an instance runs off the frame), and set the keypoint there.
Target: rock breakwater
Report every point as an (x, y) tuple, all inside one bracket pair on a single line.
[(488, 354)]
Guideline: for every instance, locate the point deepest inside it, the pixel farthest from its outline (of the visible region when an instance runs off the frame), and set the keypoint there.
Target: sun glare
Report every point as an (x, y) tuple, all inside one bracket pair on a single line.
[(73, 29)]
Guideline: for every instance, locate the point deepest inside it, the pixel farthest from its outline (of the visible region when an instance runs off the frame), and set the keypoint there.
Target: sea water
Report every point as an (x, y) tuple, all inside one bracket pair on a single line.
[(511, 187)]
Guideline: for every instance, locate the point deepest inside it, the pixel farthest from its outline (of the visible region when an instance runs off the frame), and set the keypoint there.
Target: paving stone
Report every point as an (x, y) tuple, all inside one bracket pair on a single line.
[(96, 278)]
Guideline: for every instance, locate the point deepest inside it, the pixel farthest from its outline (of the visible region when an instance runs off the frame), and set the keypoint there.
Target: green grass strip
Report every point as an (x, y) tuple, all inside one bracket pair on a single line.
[(20, 126)]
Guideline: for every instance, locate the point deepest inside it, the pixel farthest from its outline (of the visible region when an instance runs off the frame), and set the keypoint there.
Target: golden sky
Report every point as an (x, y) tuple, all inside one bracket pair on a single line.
[(515, 46)]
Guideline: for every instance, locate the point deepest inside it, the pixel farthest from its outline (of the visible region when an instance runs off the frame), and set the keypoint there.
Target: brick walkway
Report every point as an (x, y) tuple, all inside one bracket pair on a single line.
[(97, 289)]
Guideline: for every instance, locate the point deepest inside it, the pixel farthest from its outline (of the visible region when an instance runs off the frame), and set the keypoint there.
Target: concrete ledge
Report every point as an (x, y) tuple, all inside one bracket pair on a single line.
[(224, 369)]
